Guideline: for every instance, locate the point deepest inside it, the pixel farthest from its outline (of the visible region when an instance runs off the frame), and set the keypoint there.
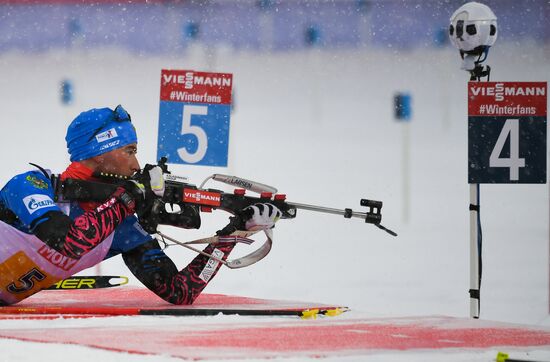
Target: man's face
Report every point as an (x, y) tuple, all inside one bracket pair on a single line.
[(121, 161)]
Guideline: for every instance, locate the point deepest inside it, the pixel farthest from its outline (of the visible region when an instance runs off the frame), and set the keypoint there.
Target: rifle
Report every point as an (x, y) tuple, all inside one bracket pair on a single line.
[(186, 201)]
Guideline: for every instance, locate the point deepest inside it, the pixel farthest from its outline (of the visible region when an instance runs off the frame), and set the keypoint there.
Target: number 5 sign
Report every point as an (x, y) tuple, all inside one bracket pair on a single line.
[(194, 117), (507, 132)]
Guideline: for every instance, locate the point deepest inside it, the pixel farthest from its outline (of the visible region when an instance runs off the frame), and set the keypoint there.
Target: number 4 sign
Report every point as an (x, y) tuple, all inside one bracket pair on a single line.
[(507, 132), (194, 117), (514, 162)]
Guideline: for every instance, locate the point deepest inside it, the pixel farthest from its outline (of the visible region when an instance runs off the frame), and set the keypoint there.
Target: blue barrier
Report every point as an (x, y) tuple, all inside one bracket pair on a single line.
[(66, 92), (402, 105), (158, 27)]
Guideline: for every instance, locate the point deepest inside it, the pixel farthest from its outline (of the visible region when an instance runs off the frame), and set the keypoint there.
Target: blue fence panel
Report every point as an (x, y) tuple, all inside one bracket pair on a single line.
[(161, 27)]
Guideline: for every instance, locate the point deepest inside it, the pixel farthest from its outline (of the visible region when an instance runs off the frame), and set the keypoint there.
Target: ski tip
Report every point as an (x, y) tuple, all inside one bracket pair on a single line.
[(123, 281), (313, 313), (335, 312), (310, 314)]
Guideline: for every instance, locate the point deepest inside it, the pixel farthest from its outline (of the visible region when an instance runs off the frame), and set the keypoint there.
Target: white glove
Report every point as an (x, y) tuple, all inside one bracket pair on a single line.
[(156, 180), (264, 216)]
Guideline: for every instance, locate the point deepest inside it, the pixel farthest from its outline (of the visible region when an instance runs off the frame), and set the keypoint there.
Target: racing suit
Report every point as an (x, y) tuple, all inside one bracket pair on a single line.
[(46, 241)]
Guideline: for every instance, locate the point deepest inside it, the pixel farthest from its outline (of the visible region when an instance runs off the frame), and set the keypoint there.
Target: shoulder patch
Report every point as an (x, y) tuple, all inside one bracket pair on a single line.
[(36, 182), (37, 201)]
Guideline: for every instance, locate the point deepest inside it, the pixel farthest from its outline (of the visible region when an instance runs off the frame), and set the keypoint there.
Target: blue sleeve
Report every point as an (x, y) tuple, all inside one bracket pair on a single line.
[(29, 195), (128, 235)]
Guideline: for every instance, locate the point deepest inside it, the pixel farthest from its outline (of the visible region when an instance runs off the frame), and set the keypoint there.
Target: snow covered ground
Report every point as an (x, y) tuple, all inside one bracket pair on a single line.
[(319, 126)]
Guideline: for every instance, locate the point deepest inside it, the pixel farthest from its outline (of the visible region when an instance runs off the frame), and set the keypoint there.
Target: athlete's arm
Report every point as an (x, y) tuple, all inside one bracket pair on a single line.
[(159, 273), (74, 238)]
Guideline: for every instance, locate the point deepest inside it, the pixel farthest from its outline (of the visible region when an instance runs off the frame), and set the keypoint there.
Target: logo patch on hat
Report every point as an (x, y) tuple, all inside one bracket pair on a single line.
[(106, 135)]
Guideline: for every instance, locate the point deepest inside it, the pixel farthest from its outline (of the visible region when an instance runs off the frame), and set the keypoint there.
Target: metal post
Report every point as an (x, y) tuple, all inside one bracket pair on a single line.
[(474, 251), (406, 149), (476, 74)]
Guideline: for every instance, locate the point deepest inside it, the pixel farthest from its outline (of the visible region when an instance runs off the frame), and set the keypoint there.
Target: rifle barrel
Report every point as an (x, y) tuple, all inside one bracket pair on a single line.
[(329, 210)]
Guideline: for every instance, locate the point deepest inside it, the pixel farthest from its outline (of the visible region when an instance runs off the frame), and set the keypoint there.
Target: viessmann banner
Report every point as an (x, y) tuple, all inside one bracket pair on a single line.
[(507, 132), (194, 117)]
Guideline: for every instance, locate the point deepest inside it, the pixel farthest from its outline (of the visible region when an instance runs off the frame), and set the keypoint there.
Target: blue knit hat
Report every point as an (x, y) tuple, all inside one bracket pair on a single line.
[(99, 131)]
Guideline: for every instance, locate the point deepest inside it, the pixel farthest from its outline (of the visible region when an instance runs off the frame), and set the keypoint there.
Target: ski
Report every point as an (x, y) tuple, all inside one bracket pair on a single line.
[(91, 311), (302, 313), (133, 301), (89, 282)]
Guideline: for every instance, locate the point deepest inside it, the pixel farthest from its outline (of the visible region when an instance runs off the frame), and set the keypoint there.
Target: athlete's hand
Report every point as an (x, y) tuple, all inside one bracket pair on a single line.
[(261, 216), (150, 179), (146, 187), (252, 218)]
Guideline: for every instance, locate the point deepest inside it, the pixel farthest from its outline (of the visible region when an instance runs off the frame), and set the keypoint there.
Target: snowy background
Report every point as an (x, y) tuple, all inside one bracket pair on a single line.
[(318, 124)]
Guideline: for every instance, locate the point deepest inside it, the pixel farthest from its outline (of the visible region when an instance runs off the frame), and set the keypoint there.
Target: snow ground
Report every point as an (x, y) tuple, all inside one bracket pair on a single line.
[(26, 351), (319, 126)]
